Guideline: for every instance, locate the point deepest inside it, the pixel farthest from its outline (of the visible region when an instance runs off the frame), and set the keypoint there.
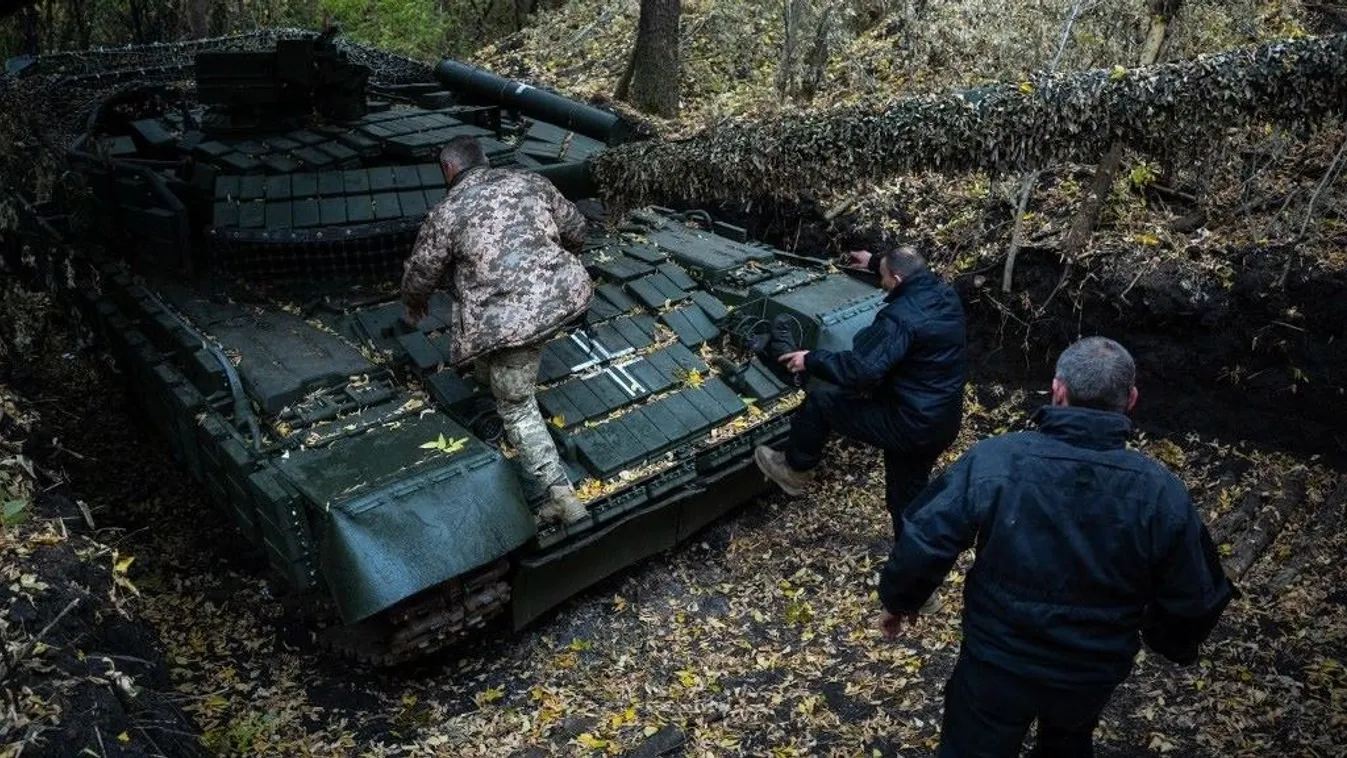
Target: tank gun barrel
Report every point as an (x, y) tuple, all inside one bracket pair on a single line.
[(1174, 109), (533, 102)]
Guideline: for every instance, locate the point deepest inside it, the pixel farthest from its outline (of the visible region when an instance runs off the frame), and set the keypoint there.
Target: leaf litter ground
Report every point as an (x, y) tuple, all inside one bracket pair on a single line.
[(755, 639)]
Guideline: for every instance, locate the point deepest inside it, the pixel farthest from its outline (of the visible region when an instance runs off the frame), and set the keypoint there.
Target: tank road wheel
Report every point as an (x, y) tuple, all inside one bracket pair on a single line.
[(430, 621)]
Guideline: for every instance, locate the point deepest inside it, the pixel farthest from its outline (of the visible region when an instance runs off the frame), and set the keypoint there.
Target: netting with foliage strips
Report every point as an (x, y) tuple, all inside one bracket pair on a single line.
[(1173, 110), (48, 104)]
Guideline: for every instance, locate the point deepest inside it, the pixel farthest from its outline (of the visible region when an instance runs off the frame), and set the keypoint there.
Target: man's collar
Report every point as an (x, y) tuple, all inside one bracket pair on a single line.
[(458, 178), (1084, 427), (916, 279)]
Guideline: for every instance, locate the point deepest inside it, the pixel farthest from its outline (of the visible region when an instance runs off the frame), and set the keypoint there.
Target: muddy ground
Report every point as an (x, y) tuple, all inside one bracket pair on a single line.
[(758, 637)]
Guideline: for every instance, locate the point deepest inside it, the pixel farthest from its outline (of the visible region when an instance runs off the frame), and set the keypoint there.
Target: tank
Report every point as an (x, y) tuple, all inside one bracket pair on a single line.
[(239, 215)]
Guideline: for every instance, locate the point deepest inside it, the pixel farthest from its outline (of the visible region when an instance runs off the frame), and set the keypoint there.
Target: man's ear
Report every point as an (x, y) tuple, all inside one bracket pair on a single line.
[(885, 274), (1059, 396), (1132, 396)]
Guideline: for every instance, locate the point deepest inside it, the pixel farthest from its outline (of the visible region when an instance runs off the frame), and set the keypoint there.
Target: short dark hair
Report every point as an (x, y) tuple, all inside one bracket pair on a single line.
[(464, 152), (1098, 373), (904, 261)]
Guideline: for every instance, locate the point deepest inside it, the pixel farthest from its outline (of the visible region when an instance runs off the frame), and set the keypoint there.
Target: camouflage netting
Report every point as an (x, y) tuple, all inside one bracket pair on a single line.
[(50, 102), (1171, 111)]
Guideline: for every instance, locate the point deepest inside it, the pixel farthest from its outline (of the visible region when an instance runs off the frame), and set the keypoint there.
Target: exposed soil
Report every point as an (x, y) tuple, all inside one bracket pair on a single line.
[(1277, 379)]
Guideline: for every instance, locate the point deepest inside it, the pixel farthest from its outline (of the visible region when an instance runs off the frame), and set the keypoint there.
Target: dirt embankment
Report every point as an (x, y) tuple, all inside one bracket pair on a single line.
[(80, 670), (1253, 332)]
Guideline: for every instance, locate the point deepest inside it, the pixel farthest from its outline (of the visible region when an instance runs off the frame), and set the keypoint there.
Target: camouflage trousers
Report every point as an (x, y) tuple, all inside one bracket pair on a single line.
[(512, 376)]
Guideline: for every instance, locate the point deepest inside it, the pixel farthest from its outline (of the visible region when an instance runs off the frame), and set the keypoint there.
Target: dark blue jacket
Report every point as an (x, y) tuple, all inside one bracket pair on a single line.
[(912, 355), (1081, 545)]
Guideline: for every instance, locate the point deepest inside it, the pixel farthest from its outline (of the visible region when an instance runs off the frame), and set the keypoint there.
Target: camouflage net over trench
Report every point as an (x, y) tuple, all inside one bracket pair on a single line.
[(1172, 110)]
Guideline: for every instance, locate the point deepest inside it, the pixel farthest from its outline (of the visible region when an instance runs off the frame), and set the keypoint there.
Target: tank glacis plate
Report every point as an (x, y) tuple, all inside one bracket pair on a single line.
[(259, 323)]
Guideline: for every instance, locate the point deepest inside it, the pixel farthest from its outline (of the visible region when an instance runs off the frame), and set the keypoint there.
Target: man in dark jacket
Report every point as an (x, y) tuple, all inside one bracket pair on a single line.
[(1084, 548), (900, 387)]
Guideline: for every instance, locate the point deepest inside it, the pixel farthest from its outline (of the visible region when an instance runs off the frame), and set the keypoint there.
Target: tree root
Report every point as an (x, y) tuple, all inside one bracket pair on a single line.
[(1326, 521), (1254, 542)]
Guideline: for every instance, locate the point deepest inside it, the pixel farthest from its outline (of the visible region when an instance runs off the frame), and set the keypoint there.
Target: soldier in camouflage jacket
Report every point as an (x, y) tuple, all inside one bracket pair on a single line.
[(506, 239)]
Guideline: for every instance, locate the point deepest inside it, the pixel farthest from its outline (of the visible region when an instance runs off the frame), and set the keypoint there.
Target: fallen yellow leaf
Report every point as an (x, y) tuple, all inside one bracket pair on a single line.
[(590, 741), (489, 695)]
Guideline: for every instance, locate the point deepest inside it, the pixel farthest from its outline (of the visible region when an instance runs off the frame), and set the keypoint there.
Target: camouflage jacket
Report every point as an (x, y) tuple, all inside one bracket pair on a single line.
[(503, 236)]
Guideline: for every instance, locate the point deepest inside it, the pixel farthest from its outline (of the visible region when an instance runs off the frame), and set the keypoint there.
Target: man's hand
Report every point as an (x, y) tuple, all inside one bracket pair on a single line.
[(417, 308), (860, 258), (891, 624), (794, 361)]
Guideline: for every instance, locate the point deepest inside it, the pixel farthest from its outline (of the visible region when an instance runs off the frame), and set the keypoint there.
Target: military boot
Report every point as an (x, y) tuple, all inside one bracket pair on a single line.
[(773, 464), (563, 506)]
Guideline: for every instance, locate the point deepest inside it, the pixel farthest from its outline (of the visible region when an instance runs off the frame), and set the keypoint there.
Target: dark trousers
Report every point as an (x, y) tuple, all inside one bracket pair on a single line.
[(988, 711), (828, 409)]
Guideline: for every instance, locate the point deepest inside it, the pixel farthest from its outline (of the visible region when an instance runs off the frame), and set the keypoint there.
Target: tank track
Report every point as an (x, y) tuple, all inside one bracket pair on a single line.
[(428, 622)]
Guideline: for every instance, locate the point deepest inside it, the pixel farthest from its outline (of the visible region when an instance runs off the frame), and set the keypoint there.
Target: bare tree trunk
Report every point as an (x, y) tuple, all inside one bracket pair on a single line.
[(792, 13), (47, 29), (32, 38), (818, 56), (1162, 12), (219, 16), (198, 18), (623, 89), (656, 68), (83, 27), (75, 28), (1017, 232), (135, 16)]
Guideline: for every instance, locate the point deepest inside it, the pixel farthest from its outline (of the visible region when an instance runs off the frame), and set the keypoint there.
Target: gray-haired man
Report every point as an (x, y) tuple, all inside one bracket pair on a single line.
[(1084, 550)]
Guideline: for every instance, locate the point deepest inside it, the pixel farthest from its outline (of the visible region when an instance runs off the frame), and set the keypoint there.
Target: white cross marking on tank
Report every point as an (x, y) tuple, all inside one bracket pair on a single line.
[(613, 375)]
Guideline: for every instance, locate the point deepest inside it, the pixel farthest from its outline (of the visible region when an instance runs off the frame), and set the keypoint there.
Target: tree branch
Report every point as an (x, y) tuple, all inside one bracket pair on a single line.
[(1017, 234), (28, 649), (1031, 178), (1329, 176)]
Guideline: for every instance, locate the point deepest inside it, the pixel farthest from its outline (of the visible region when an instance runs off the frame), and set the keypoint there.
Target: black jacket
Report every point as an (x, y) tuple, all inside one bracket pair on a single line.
[(1081, 545), (912, 355)]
